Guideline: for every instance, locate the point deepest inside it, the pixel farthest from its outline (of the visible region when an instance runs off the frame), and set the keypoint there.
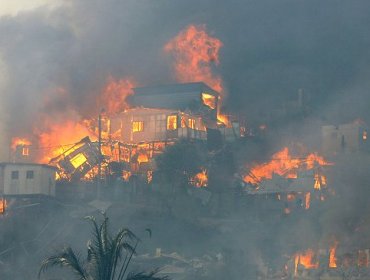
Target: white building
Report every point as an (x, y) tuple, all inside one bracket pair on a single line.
[(344, 138), (27, 179)]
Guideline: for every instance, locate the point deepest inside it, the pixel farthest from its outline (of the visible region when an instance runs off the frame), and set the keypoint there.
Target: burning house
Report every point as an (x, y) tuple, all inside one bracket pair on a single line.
[(293, 181), (22, 150), (141, 125), (168, 112), (154, 118), (162, 115)]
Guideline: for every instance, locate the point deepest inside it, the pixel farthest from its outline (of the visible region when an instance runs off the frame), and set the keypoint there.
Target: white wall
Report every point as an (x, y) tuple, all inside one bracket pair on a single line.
[(43, 181)]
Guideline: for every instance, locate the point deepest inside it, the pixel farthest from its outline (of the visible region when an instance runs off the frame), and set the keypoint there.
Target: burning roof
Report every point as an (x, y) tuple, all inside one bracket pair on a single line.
[(177, 96)]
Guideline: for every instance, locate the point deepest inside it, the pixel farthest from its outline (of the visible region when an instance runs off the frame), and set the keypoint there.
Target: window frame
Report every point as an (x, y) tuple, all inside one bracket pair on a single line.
[(137, 126), (14, 174), (168, 123), (30, 174)]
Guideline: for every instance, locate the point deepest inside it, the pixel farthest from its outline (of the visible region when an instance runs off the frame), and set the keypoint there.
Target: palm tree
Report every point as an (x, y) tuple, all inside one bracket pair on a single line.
[(108, 257)]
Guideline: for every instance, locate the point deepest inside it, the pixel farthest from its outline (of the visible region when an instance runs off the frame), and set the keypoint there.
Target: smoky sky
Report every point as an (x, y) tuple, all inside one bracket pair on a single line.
[(270, 50)]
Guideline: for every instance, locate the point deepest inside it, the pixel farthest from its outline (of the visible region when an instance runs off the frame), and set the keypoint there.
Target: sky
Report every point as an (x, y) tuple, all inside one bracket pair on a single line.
[(13, 7), (270, 49)]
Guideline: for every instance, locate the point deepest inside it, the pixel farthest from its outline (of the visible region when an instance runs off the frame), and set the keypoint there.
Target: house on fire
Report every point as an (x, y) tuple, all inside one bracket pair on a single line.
[(159, 116), (167, 113), (288, 194)]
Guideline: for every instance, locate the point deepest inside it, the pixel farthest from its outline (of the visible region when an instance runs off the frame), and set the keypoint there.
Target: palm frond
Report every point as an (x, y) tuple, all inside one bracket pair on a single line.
[(66, 258), (95, 249), (118, 245), (108, 257)]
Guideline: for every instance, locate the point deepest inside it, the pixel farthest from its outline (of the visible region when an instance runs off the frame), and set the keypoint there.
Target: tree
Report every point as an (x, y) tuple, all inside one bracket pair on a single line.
[(181, 161), (108, 257)]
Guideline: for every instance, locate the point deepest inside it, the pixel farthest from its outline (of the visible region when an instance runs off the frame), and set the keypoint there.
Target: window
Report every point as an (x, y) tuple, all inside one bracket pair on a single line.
[(192, 123), (137, 126), (160, 124), (78, 160), (172, 122), (183, 121), (29, 174), (25, 151), (15, 175)]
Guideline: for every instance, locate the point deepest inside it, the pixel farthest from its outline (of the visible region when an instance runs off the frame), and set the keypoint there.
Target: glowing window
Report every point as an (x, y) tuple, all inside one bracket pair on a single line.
[(172, 122), (191, 123), (137, 126), (364, 135), (209, 100), (25, 151), (183, 121), (78, 160)]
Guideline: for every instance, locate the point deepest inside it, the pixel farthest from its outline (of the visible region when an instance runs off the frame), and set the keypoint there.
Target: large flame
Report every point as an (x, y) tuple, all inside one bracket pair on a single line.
[(17, 141), (113, 98), (60, 136), (283, 164), (195, 51), (56, 131)]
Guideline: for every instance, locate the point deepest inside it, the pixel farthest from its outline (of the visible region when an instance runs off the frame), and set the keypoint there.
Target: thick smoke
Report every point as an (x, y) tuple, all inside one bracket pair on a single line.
[(56, 63), (4, 113), (271, 49)]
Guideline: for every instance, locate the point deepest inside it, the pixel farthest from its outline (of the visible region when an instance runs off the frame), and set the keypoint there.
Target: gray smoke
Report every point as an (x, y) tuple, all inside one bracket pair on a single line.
[(270, 50)]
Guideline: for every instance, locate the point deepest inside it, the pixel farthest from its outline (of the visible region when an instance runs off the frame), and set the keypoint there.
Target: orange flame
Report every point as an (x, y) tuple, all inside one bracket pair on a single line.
[(113, 98), (3, 205), (143, 157), (200, 179), (306, 259), (307, 200), (283, 164), (16, 141), (59, 137), (194, 52), (332, 255), (224, 119), (320, 180)]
